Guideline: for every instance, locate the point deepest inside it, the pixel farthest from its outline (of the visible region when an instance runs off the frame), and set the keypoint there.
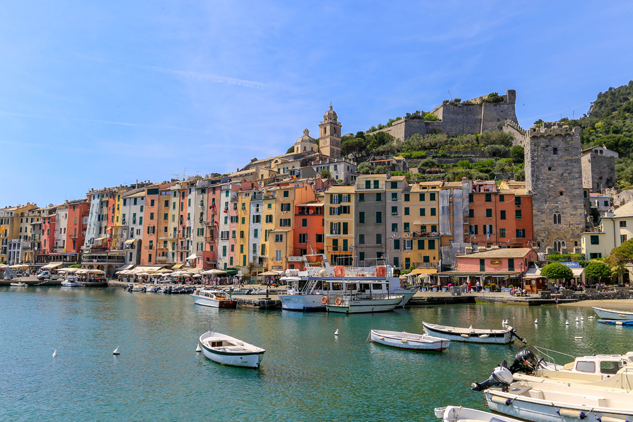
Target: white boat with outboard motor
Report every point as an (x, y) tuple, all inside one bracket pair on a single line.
[(230, 351), (361, 303), (306, 288), (409, 341), (465, 414), (72, 281), (472, 335), (213, 298), (613, 314)]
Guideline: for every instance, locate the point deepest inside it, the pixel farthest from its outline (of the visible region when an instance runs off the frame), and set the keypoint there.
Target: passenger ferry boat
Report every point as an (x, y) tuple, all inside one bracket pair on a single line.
[(306, 289)]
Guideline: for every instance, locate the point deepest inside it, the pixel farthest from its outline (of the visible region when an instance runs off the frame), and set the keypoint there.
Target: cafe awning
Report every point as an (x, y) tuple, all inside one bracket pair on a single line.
[(51, 266), (424, 271), (191, 257), (129, 242), (177, 266)]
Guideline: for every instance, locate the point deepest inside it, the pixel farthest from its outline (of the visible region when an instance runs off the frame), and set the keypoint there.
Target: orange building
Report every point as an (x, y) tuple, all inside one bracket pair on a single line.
[(499, 217), (77, 223), (308, 233)]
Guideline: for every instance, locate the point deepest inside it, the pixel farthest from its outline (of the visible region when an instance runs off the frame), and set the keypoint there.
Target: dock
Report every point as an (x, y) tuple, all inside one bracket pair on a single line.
[(262, 303)]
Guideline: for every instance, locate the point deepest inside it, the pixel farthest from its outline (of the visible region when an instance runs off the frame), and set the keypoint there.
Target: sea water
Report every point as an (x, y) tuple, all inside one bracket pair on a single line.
[(307, 373)]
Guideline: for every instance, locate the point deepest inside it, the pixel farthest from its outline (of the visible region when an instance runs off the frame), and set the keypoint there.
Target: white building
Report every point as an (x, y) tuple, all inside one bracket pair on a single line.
[(132, 222)]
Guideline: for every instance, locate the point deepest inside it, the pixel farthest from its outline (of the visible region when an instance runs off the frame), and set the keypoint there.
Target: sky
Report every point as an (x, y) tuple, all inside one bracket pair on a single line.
[(99, 94)]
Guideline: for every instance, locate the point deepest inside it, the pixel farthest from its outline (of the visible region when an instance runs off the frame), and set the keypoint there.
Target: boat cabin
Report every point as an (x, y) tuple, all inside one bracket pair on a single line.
[(600, 364)]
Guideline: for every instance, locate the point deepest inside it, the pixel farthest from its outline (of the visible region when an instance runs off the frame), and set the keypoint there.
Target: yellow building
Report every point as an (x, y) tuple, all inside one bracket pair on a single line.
[(243, 227), (420, 225), (118, 228), (268, 224), (339, 225)]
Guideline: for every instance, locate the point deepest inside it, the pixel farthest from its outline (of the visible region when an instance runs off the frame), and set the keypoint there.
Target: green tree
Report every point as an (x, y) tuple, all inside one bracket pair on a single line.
[(364, 168), (517, 153), (465, 164), (557, 271), (428, 163), (290, 150), (519, 175), (499, 151), (354, 146), (597, 271), (381, 170), (325, 174)]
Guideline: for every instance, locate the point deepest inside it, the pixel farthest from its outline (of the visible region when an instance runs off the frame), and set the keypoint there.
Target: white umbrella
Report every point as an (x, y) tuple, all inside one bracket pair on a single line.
[(214, 272)]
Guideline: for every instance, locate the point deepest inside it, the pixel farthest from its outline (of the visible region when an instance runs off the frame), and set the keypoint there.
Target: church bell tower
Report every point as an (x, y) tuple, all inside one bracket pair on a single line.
[(330, 135)]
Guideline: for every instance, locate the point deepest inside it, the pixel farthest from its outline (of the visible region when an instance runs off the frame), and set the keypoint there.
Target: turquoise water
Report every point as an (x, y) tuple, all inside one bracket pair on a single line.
[(306, 374)]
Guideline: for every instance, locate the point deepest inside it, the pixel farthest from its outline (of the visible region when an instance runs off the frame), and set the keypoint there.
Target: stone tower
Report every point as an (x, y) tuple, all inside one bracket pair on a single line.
[(553, 174), (330, 135)]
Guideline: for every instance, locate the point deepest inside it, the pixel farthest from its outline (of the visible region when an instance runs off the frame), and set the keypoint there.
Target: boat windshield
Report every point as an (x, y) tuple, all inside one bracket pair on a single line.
[(609, 367)]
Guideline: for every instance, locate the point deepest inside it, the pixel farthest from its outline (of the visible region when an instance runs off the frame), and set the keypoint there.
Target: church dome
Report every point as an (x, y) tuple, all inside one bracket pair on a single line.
[(330, 114), (306, 139)]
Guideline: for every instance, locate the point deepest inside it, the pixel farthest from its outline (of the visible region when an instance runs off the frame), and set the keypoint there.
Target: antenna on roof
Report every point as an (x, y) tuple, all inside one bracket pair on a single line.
[(450, 95)]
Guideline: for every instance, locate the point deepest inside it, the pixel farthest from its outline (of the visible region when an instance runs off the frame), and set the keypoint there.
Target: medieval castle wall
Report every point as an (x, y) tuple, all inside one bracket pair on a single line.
[(553, 175), (598, 172)]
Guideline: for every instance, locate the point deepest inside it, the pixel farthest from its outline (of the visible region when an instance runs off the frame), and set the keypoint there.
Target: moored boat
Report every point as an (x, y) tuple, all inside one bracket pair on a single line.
[(616, 322), (410, 341), (613, 314), (228, 350), (71, 281), (18, 284), (361, 304), (213, 298), (465, 414), (472, 335)]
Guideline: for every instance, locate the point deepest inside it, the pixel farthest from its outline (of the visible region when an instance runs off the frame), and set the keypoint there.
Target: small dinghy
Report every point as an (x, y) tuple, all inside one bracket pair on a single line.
[(472, 335), (614, 322), (410, 341), (465, 414), (230, 351), (613, 314), (19, 284)]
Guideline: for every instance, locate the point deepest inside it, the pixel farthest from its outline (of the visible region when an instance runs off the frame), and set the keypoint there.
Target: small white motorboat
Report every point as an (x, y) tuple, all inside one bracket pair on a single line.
[(213, 298), (72, 281), (410, 341), (230, 351), (19, 284), (472, 335), (613, 314), (465, 414), (360, 303)]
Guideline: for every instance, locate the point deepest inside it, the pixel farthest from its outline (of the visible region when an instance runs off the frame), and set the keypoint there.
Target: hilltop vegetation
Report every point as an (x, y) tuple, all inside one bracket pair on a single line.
[(610, 123)]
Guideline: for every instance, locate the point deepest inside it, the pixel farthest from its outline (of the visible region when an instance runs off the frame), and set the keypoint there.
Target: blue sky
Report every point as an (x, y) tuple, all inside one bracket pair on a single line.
[(96, 94)]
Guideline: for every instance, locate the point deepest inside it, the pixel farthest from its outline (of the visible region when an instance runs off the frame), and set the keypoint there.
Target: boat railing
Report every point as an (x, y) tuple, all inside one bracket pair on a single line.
[(548, 353)]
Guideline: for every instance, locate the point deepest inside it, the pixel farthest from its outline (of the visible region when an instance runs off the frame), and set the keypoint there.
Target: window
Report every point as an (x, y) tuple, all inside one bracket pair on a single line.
[(334, 199), (433, 211), (376, 184), (394, 185), (422, 212), (255, 233), (586, 366), (406, 210), (622, 223), (378, 217), (595, 240), (420, 245), (367, 184), (279, 238), (361, 217), (431, 244), (269, 219), (304, 222), (394, 196), (471, 213), (595, 255), (378, 239), (345, 228), (502, 198), (394, 210), (303, 238), (396, 262), (425, 258), (520, 233), (422, 197), (622, 238), (517, 201), (319, 238), (606, 203), (471, 198), (378, 197), (151, 215), (345, 198), (406, 227), (555, 151), (278, 255), (361, 197), (361, 239), (482, 265), (284, 222), (286, 207), (335, 228), (473, 229), (396, 244), (151, 203), (517, 214), (502, 233), (557, 218), (406, 197), (394, 227), (488, 212), (361, 256), (433, 228), (488, 197), (503, 214)]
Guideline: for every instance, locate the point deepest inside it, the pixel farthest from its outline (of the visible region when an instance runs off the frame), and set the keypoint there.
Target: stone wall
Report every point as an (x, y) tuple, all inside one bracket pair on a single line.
[(517, 132), (598, 172), (553, 174)]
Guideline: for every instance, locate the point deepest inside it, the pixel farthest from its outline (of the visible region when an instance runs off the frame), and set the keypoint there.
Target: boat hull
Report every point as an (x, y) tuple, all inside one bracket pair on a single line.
[(252, 360), (546, 411), (470, 337), (302, 303), (68, 284), (613, 314), (364, 306), (213, 303), (616, 322), (421, 343)]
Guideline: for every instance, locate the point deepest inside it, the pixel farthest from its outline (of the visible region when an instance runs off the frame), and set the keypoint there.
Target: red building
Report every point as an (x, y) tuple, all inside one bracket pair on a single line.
[(499, 217), (308, 232), (48, 233), (77, 223)]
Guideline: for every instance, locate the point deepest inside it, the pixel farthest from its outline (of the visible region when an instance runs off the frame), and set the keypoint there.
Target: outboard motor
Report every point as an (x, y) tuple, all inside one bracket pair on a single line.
[(514, 333), (525, 361), (501, 376)]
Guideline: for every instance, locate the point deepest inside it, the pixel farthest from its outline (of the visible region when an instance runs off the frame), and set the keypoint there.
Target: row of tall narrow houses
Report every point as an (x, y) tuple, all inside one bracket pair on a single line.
[(270, 213)]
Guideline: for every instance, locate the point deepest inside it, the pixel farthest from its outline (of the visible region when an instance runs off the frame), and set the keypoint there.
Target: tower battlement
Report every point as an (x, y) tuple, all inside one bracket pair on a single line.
[(551, 130)]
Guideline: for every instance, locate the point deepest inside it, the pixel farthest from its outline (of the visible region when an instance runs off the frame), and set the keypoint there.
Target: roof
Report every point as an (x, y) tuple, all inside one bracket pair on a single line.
[(341, 189), (625, 210), (499, 253), (311, 204)]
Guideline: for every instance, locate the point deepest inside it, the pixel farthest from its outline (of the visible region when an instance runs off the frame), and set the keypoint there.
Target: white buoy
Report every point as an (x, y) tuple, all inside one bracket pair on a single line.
[(567, 322), (536, 321), (577, 338), (116, 351), (55, 353), (577, 319), (582, 318), (336, 332), (198, 349), (592, 317), (471, 327)]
